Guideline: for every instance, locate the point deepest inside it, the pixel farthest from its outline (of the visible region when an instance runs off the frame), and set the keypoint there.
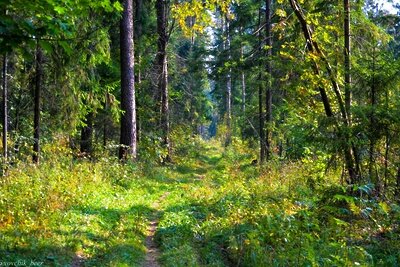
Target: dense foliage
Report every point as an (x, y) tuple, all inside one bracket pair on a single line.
[(256, 133)]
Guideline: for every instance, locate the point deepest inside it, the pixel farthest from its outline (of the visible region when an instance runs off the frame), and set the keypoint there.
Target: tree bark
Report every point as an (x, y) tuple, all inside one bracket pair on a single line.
[(397, 190), (347, 75), (162, 66), (228, 96), (105, 121), (260, 98), (138, 31), (128, 105), (86, 147), (387, 144), (243, 78), (347, 62), (5, 116), (36, 119), (312, 46), (372, 126), (243, 92), (268, 69), (138, 22)]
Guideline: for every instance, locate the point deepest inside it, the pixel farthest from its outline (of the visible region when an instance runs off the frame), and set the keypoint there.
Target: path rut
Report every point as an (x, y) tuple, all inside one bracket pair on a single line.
[(152, 252)]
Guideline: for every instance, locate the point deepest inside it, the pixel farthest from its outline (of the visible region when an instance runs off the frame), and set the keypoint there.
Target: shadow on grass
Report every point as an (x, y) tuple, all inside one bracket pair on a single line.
[(116, 239), (206, 163), (183, 245), (117, 255), (210, 160), (123, 254), (186, 169), (41, 255)]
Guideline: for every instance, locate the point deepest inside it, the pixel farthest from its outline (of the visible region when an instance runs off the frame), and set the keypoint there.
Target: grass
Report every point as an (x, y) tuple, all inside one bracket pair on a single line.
[(214, 209)]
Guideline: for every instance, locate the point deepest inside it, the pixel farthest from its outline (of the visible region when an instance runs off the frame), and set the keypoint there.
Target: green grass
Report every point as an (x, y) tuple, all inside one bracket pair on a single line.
[(52, 212), (214, 209)]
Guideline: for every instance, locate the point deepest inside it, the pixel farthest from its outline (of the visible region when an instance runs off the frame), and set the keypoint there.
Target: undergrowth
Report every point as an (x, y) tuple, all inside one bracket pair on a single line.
[(216, 209), (69, 207), (291, 214)]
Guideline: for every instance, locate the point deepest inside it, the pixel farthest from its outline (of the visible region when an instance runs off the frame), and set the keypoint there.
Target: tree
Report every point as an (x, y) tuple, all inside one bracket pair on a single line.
[(128, 105), (343, 133), (228, 96), (261, 118), (347, 53), (268, 68), (4, 106), (86, 146), (138, 32), (37, 93), (162, 72), (243, 77)]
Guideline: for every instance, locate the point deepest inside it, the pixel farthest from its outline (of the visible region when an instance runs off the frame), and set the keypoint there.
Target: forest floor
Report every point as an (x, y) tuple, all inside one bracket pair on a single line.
[(211, 207)]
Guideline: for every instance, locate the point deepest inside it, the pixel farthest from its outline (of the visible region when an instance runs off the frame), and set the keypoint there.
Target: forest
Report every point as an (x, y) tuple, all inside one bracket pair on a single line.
[(200, 133)]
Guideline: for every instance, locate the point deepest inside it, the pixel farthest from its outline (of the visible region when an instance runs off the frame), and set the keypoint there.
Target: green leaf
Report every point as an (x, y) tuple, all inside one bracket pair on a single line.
[(347, 199), (340, 222), (384, 207), (46, 46), (59, 9), (107, 6), (117, 6), (67, 48), (280, 12)]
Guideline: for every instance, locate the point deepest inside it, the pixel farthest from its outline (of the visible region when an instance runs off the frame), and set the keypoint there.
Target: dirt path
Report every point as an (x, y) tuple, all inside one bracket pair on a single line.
[(78, 260), (152, 252)]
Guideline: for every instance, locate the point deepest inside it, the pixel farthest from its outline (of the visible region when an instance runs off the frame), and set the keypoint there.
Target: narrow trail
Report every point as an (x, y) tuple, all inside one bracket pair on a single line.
[(196, 174), (78, 260), (152, 252)]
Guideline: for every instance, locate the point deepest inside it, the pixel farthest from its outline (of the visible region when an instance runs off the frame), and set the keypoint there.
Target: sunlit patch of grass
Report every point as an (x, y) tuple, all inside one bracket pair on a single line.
[(66, 206), (252, 216), (215, 208)]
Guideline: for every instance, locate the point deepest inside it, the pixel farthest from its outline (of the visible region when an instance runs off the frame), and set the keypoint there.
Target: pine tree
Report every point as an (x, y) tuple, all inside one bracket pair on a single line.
[(128, 104)]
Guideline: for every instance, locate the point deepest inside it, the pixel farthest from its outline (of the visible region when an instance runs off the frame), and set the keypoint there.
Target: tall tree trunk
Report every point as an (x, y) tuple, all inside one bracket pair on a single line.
[(268, 69), (385, 174), (372, 119), (387, 144), (36, 119), (347, 77), (243, 93), (312, 46), (191, 98), (138, 24), (87, 135), (128, 105), (105, 121), (138, 31), (228, 87), (17, 118), (162, 62), (347, 54), (397, 189), (243, 78), (260, 96), (5, 114)]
